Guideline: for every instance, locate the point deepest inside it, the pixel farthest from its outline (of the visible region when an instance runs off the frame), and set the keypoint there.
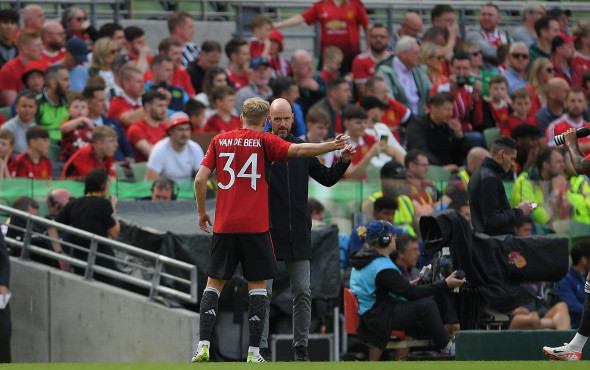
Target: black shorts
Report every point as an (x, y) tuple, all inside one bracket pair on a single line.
[(254, 251)]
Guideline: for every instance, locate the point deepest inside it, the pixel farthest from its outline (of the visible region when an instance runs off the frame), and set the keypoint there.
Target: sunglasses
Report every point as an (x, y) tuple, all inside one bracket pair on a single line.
[(476, 54), (114, 51), (440, 58), (80, 19), (550, 70), (521, 56)]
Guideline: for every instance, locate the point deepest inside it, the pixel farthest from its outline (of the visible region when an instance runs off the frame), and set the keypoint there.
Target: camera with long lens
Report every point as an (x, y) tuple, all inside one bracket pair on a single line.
[(462, 80)]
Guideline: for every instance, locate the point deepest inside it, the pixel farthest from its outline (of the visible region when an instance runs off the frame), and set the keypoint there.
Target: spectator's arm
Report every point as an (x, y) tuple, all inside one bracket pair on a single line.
[(357, 171), (151, 174), (566, 293), (129, 118), (144, 147), (392, 280), (113, 231), (294, 20), (7, 96), (395, 153)]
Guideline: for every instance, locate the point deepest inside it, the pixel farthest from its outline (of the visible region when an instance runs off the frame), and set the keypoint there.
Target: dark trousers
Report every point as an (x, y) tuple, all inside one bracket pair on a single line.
[(420, 318), (5, 333)]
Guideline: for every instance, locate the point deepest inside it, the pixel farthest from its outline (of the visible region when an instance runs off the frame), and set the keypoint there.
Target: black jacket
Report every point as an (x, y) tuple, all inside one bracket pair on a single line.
[(4, 263), (491, 212), (290, 222)]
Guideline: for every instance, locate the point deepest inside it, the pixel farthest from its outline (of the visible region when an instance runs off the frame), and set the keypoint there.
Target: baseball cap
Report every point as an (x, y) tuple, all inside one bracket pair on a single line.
[(277, 36), (258, 61), (178, 119), (370, 102), (556, 12), (393, 170), (34, 66), (561, 39), (78, 48), (379, 228)]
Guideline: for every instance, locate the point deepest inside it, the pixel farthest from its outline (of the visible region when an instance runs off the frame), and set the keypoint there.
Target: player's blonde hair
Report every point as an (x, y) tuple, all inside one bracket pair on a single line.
[(255, 111), (101, 133)]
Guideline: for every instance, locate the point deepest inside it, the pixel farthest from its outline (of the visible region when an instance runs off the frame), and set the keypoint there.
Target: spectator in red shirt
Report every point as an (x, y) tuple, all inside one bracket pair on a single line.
[(8, 26), (224, 99), (137, 48), (196, 113), (97, 155), (496, 109), (396, 114), (260, 42), (581, 32), (53, 37), (34, 163), (562, 54), (238, 53), (575, 105), (280, 66), (33, 18), (521, 103), (76, 130), (29, 49), (331, 63), (144, 134), (7, 165), (127, 108), (363, 65), (172, 48)]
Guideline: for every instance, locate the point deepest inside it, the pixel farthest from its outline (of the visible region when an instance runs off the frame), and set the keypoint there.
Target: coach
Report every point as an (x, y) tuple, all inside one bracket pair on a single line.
[(291, 223)]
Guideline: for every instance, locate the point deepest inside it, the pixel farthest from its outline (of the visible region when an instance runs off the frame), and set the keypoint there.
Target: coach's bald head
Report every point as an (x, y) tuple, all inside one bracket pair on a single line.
[(281, 117)]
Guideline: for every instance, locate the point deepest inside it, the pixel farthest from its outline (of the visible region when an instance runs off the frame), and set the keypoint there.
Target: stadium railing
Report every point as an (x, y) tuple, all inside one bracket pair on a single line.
[(154, 268)]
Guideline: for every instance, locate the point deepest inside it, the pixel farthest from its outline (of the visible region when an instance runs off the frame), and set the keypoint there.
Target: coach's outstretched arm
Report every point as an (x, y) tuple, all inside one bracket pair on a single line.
[(311, 150), (201, 195)]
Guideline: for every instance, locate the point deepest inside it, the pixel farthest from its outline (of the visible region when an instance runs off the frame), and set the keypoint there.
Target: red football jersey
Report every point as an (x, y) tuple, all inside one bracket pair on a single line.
[(536, 102), (143, 131), (463, 104), (241, 157), (256, 47), (11, 164), (11, 75), (180, 77), (217, 124), (561, 125), (514, 121), (339, 24), (83, 161), (280, 66), (499, 115), (393, 116), (52, 59), (26, 168), (582, 60), (363, 67), (120, 105), (74, 140), (328, 75), (237, 81)]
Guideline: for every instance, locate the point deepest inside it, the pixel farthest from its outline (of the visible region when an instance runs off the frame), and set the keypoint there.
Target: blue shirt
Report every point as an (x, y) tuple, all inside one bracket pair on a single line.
[(514, 80), (571, 291), (78, 78)]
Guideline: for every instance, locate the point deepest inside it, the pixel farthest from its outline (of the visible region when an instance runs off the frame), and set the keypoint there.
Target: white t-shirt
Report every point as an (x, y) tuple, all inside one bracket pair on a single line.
[(174, 165), (378, 130)]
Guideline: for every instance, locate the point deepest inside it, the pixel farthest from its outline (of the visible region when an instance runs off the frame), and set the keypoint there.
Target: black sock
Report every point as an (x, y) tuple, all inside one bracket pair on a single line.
[(256, 312), (208, 312), (584, 328)]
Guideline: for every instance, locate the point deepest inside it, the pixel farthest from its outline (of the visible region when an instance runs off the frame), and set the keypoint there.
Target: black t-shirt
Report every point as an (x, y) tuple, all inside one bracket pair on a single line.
[(89, 213)]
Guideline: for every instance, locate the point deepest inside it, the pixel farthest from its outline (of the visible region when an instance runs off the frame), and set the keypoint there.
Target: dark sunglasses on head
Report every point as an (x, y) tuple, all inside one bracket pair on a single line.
[(518, 55)]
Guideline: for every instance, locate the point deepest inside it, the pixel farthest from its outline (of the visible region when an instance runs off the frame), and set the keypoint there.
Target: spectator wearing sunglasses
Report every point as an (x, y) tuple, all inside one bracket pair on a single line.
[(515, 73), (76, 24)]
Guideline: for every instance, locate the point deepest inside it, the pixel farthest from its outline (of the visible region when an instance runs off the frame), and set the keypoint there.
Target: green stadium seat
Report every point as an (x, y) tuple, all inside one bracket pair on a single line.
[(438, 173), (54, 152), (139, 170), (491, 134), (373, 173), (5, 112)]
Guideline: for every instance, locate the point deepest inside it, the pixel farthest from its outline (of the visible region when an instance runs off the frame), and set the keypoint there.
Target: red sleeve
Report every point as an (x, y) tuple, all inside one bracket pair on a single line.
[(116, 108), (359, 72), (256, 48), (186, 82), (477, 112), (588, 157), (209, 160), (7, 78), (20, 167), (361, 14), (147, 76), (399, 109), (135, 134), (311, 14), (276, 148)]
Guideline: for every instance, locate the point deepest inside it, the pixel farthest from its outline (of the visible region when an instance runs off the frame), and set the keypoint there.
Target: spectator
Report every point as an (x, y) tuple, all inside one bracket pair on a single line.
[(396, 114), (339, 26), (527, 140), (238, 53), (311, 88), (105, 50), (490, 209), (364, 64), (73, 59), (488, 37), (555, 92), (97, 155), (52, 107), (29, 49), (286, 88), (113, 85), (410, 26), (114, 32), (421, 192), (521, 103), (162, 69), (459, 181), (581, 32), (562, 54), (539, 73), (375, 109), (288, 211), (547, 177), (182, 28), (373, 266), (443, 17), (260, 41), (96, 100), (546, 28), (432, 56), (56, 200), (535, 315), (516, 72), (337, 97), (384, 208), (7, 169), (172, 48), (571, 288), (258, 86), (439, 135), (331, 63), (279, 65), (128, 108), (76, 24), (497, 109), (406, 83), (406, 256), (575, 104), (137, 49), (34, 163), (208, 59), (578, 190), (33, 18), (163, 190), (561, 16), (460, 204), (26, 108), (318, 122), (76, 129), (196, 113), (144, 134), (8, 26), (176, 157), (366, 145), (316, 211), (224, 98), (53, 37), (214, 77), (530, 12), (5, 323)]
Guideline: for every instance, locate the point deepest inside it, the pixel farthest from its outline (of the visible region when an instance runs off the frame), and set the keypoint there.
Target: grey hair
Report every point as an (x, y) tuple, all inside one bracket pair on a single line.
[(428, 50), (405, 43), (68, 14), (515, 45), (529, 7)]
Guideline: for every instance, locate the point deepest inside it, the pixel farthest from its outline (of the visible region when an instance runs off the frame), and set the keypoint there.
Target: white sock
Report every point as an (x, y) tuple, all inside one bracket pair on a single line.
[(254, 350), (577, 344), (203, 343)]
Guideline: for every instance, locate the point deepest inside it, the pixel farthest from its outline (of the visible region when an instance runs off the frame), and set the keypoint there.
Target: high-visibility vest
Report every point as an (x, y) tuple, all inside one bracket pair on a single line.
[(404, 214)]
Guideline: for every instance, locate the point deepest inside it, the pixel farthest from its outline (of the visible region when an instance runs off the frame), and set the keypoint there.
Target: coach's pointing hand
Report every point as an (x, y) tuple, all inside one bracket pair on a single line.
[(347, 153), (340, 141)]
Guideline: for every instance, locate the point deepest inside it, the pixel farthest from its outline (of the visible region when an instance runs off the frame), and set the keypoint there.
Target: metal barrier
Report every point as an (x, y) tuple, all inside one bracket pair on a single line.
[(156, 270)]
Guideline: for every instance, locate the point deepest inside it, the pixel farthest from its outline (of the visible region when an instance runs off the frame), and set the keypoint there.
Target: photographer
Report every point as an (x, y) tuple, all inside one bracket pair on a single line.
[(387, 299)]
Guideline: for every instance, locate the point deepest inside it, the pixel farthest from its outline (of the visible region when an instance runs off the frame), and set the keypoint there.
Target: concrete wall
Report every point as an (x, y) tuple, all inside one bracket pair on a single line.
[(59, 317)]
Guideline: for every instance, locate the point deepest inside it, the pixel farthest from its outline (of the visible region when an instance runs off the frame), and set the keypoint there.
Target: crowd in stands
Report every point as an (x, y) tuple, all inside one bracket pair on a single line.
[(419, 98)]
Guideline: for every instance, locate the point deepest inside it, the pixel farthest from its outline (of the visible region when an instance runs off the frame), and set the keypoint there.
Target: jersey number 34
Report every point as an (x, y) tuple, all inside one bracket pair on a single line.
[(251, 165)]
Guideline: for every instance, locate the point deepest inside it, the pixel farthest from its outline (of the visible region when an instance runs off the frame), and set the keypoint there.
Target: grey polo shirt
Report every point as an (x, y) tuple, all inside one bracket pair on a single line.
[(19, 130)]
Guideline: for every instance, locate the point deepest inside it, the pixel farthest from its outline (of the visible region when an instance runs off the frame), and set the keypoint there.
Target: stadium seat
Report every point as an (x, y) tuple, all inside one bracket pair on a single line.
[(54, 152), (491, 134), (373, 173), (438, 173), (139, 170), (5, 112)]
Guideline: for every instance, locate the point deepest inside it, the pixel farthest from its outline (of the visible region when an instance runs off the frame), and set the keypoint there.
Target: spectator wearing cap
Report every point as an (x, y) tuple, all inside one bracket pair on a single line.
[(99, 154), (439, 134), (52, 104), (182, 28), (208, 58), (562, 54), (582, 55), (162, 69), (561, 15), (546, 28), (488, 37), (379, 130), (26, 108), (33, 79), (279, 65), (76, 54), (363, 65), (29, 49), (53, 37), (258, 87), (8, 26), (530, 12), (176, 157), (527, 146), (145, 133), (337, 97)]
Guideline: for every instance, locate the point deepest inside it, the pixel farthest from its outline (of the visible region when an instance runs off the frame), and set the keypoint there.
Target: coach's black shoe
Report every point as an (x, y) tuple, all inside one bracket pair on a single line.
[(266, 353), (301, 353)]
